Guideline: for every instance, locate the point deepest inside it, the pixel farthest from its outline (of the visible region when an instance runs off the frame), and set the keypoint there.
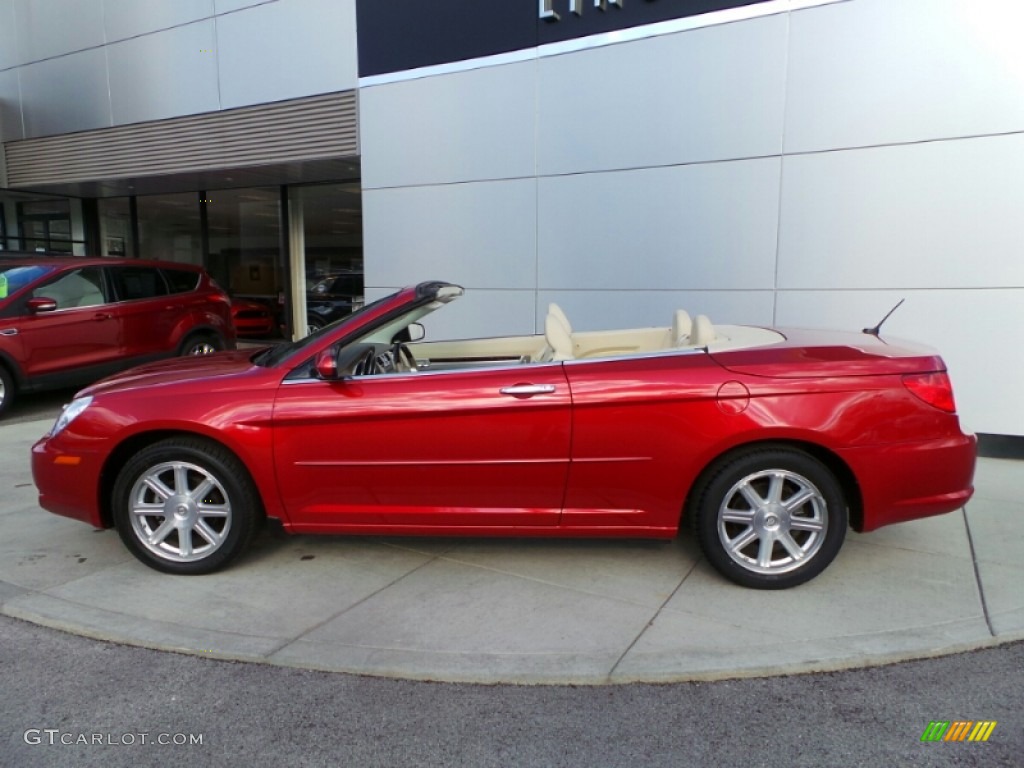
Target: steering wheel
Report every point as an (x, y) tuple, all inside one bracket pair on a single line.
[(403, 356), (367, 364)]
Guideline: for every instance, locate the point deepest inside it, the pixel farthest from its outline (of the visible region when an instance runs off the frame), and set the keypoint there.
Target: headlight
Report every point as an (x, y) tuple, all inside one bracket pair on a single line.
[(70, 413)]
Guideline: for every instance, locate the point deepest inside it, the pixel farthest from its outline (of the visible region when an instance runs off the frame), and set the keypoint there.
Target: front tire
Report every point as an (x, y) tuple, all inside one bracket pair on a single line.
[(185, 506), (6, 390), (771, 518)]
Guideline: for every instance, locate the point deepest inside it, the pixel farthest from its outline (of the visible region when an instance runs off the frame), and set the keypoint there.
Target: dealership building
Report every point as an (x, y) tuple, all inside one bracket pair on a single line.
[(775, 162)]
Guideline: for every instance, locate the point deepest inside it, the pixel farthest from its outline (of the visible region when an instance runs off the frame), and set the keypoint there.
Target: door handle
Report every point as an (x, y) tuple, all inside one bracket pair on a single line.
[(528, 390), (102, 316)]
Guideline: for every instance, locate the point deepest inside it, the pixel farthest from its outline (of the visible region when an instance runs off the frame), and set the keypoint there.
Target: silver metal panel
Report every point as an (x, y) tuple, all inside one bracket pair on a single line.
[(10, 106), (164, 74), (49, 28), (128, 18), (66, 94), (226, 6), (706, 94), (701, 226), (301, 130), (10, 44), (878, 72), (285, 50), (479, 235), (459, 127), (937, 215)]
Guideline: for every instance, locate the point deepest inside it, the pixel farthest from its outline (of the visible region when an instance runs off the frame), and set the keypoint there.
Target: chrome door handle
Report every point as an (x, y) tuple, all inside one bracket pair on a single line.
[(528, 390), (9, 332)]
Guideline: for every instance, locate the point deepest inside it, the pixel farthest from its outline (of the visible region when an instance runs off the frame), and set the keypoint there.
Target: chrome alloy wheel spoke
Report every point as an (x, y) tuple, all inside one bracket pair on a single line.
[(180, 511), (772, 521)]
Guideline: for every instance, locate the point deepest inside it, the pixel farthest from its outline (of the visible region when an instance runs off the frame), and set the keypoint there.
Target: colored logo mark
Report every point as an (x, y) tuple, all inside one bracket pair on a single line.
[(958, 730)]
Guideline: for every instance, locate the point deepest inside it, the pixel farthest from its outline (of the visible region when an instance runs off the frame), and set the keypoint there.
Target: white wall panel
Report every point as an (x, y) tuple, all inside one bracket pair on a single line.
[(685, 227), (937, 215), (66, 94), (10, 44), (882, 71), (164, 74), (48, 28), (706, 94), (459, 127), (127, 18), (10, 106), (976, 331), (479, 235), (480, 313), (226, 6), (604, 310), (286, 50)]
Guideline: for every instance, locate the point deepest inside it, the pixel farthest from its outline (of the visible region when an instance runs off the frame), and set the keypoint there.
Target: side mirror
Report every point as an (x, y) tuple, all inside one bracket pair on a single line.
[(417, 332), (41, 304), (326, 364)]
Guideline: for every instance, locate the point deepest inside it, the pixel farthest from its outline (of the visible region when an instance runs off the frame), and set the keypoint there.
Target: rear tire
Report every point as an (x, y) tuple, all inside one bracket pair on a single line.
[(771, 518), (186, 506), (201, 344)]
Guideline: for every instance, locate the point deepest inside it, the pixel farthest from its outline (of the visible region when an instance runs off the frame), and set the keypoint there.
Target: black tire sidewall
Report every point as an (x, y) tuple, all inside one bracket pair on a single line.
[(200, 338), (8, 396), (735, 468), (229, 472)]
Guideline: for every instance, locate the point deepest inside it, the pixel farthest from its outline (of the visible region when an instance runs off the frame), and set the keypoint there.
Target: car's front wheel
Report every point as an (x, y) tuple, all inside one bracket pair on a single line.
[(185, 506), (771, 518), (6, 389)]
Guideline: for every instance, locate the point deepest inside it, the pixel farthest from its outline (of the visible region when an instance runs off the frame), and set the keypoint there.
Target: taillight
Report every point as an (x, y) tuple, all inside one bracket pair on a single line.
[(933, 388)]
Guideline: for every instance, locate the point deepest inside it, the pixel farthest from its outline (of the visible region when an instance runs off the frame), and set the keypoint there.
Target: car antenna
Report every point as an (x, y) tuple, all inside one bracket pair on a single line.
[(874, 331)]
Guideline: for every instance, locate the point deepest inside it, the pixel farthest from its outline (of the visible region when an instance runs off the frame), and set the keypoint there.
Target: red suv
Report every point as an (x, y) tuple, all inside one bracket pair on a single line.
[(66, 321)]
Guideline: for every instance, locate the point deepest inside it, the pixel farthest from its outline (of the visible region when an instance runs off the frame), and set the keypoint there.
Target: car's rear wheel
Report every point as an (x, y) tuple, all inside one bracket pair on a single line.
[(201, 344), (185, 506), (771, 518), (6, 389)]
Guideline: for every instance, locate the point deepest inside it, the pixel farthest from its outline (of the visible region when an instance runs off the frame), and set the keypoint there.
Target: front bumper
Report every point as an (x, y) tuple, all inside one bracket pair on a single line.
[(68, 481)]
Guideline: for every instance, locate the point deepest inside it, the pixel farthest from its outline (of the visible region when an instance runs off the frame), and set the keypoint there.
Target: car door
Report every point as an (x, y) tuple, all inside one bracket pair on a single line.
[(145, 311), (79, 335), (642, 428), (427, 451)]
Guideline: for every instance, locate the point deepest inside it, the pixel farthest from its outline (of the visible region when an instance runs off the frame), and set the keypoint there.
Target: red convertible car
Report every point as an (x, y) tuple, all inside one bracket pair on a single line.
[(772, 441)]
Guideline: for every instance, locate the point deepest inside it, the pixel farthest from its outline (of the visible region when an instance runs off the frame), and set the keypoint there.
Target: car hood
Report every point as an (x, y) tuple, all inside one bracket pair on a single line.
[(201, 368)]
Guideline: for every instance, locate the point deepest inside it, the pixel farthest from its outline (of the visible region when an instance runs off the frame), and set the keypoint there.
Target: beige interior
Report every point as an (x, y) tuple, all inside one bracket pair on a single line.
[(560, 343)]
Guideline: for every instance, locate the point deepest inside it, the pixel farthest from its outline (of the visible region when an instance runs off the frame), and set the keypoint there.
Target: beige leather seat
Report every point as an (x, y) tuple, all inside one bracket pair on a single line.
[(681, 327), (558, 339), (554, 309), (702, 333)]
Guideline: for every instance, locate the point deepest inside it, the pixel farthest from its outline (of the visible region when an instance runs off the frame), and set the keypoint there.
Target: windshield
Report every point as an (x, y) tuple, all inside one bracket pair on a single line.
[(14, 277), (274, 355)]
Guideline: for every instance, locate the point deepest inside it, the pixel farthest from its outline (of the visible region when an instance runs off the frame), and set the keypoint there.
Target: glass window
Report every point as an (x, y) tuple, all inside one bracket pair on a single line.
[(181, 280), (137, 283), (115, 226), (245, 241), (333, 218), (169, 228), (80, 288), (46, 227)]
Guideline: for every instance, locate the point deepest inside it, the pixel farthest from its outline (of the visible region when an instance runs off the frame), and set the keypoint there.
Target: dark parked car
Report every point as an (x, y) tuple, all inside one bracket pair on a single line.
[(66, 321), (332, 298)]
